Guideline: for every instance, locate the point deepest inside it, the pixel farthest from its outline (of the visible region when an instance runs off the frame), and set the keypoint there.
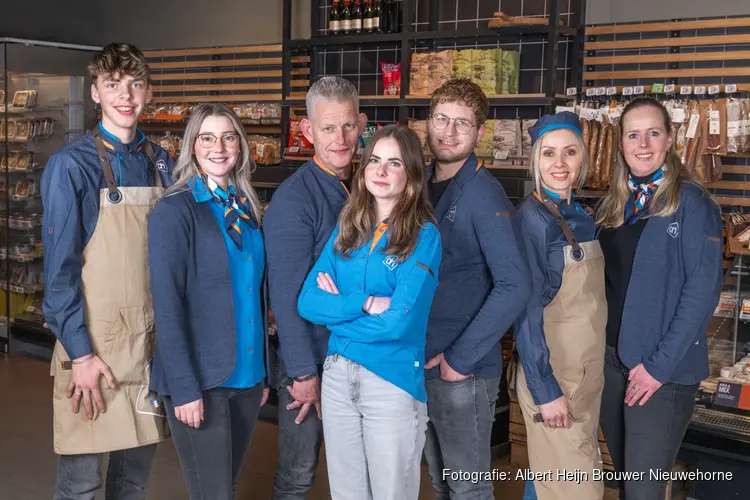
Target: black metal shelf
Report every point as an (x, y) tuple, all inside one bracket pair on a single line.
[(346, 39)]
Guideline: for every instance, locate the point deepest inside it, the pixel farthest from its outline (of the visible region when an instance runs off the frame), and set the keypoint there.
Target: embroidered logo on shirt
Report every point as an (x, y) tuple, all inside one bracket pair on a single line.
[(674, 229), (390, 262), (161, 165), (451, 214)]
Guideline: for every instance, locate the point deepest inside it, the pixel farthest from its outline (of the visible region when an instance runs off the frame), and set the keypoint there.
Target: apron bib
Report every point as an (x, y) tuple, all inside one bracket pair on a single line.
[(574, 329), (120, 320)]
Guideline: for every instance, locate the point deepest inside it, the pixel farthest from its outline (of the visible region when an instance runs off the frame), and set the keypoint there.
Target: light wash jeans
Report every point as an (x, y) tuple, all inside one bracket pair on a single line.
[(374, 434)]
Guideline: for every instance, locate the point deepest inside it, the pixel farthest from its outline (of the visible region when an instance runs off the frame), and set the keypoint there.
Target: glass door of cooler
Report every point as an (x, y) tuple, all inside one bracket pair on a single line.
[(45, 106)]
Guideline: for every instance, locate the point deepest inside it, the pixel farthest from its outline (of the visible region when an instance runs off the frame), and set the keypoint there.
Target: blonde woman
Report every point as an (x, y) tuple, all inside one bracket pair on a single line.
[(560, 336), (661, 238), (207, 270)]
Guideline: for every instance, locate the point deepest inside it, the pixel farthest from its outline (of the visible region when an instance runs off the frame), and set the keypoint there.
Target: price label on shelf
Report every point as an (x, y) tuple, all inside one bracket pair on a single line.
[(657, 88), (591, 91), (627, 91), (700, 90), (731, 89), (611, 90), (639, 90), (601, 91), (502, 155), (686, 90), (714, 89), (669, 89), (294, 149), (571, 91)]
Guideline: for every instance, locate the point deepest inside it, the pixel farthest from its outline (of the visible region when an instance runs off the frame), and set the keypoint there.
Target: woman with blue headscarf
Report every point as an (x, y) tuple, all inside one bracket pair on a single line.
[(560, 336)]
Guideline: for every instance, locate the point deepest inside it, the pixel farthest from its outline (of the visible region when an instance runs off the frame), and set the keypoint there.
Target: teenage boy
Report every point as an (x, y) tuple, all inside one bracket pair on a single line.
[(301, 217), (97, 193), (485, 283)]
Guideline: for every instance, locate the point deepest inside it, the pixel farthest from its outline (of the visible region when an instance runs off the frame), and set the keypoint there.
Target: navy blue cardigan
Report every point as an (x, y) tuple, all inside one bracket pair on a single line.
[(485, 280), (193, 303), (673, 291)]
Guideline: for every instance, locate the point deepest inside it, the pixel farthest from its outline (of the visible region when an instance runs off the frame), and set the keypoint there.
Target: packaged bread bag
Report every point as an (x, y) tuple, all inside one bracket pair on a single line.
[(507, 139), (485, 148), (484, 69), (511, 63), (429, 71)]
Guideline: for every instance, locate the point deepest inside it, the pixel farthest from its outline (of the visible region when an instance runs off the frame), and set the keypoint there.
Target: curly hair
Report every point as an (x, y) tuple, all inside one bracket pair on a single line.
[(119, 59), (464, 91)]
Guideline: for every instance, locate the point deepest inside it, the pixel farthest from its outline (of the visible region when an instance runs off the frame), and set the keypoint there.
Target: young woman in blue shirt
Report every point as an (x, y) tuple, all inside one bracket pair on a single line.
[(661, 234), (372, 287), (560, 336), (207, 264)]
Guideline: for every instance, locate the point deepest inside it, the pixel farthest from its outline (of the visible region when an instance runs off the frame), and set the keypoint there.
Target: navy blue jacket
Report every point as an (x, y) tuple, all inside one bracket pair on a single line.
[(300, 218), (485, 279), (673, 291), (545, 242), (71, 182), (193, 301)]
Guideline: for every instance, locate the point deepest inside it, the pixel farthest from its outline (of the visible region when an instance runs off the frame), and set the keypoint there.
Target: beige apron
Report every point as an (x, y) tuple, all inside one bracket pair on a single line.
[(120, 320), (574, 329)]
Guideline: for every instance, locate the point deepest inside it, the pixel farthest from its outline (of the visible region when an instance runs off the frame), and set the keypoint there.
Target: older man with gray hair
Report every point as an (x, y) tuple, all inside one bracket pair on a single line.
[(300, 219)]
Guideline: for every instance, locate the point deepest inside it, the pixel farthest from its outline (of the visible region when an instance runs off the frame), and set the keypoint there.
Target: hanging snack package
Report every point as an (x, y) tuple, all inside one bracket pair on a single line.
[(484, 70), (391, 78), (692, 136), (526, 137), (745, 125), (510, 67), (462, 64), (721, 106), (507, 140), (298, 145), (733, 125), (592, 180), (485, 148), (604, 154)]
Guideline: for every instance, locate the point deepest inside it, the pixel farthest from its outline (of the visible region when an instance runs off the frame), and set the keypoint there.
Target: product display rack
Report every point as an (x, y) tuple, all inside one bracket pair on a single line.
[(42, 110)]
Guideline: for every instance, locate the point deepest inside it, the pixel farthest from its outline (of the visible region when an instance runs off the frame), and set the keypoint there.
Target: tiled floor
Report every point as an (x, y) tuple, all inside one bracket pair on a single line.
[(28, 464)]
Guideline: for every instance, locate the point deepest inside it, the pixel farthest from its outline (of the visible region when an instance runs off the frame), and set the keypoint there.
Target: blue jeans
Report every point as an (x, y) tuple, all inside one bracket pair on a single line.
[(211, 456), (458, 435), (79, 477), (299, 445), (374, 434)]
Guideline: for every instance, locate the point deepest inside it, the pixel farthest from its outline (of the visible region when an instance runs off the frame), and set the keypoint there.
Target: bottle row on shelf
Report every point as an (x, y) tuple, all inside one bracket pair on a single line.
[(351, 17)]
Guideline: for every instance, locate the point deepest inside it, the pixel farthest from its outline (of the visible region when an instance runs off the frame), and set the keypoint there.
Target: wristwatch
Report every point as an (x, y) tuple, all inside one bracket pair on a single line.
[(305, 378)]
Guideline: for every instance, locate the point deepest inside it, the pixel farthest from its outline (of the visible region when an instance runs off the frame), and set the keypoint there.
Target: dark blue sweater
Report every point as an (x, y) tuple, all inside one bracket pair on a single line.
[(300, 218), (485, 281), (673, 291), (193, 301)]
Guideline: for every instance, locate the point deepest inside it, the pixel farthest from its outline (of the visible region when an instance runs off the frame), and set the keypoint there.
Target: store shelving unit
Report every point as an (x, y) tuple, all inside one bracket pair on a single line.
[(40, 127)]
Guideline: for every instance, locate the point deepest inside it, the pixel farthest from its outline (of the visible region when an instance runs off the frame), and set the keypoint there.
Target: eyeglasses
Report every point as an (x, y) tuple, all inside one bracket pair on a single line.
[(440, 122), (208, 141)]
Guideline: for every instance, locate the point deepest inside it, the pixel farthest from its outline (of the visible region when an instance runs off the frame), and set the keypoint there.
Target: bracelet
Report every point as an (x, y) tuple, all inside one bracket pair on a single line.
[(368, 304), (306, 377), (82, 361)]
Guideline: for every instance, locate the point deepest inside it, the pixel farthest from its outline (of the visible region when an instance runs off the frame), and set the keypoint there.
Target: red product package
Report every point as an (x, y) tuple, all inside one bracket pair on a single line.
[(298, 144), (391, 78)]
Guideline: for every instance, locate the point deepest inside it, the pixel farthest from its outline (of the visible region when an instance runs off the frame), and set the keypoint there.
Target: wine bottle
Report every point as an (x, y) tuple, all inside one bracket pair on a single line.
[(334, 19), (346, 18), (376, 15), (357, 17), (367, 16)]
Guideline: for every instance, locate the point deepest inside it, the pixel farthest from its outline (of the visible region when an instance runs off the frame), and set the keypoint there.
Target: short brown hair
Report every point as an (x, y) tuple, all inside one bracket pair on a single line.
[(464, 91), (119, 59)]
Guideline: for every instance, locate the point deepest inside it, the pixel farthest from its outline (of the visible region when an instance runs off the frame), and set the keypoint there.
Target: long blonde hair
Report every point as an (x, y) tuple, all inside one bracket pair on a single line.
[(666, 200), (357, 219), (536, 155), (187, 167)]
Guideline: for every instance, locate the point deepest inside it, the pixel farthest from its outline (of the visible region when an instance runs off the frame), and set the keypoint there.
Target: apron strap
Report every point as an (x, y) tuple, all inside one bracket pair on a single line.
[(150, 153), (577, 253), (114, 195)]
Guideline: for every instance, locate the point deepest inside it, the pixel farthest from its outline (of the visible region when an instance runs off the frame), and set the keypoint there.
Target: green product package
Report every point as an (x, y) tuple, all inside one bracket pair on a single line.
[(510, 66), (462, 63), (484, 70)]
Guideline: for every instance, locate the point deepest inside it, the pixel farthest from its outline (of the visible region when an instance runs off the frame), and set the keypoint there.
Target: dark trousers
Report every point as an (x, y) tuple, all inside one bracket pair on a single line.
[(299, 445), (643, 438), (79, 477), (458, 435), (211, 456)]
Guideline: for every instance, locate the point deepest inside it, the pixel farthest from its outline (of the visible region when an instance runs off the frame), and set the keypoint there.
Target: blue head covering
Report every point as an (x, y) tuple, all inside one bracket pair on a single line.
[(547, 123)]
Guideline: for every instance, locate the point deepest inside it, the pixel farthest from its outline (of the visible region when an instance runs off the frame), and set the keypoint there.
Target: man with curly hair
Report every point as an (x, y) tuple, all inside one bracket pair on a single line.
[(97, 192), (485, 283)]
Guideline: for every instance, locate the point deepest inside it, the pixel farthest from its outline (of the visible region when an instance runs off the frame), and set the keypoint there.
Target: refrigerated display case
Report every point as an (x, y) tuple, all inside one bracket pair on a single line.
[(43, 106)]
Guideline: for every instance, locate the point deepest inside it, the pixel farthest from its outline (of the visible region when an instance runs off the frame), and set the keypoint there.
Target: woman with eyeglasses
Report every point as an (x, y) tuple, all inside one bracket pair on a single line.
[(207, 272)]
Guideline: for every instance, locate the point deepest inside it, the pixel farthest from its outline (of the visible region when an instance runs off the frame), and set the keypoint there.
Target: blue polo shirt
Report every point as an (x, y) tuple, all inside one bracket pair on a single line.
[(246, 268)]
